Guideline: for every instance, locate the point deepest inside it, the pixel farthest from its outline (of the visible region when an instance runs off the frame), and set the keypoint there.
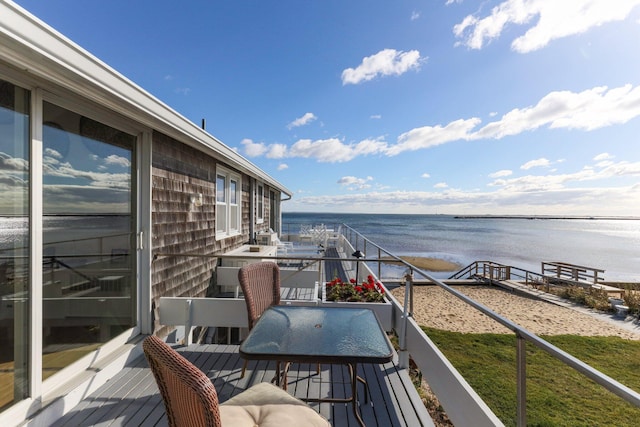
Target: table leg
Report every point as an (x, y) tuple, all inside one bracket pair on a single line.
[(353, 368), (353, 380)]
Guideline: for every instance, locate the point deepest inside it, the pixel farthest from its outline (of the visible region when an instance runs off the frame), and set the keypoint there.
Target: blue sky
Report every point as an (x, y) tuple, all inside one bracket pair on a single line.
[(432, 106)]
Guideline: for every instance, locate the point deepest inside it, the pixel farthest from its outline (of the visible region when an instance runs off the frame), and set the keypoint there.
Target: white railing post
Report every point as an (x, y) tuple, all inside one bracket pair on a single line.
[(403, 354), (188, 321)]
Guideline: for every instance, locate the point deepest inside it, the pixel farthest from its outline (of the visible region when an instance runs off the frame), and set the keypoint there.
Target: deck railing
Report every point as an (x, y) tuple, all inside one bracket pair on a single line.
[(463, 405), (493, 271), (523, 335)]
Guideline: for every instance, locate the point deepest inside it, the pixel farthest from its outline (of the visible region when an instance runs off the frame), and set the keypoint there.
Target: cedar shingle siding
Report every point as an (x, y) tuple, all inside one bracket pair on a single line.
[(179, 227)]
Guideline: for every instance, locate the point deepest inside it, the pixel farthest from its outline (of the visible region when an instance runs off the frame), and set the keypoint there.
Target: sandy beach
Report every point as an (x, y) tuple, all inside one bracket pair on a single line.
[(434, 307), (428, 264)]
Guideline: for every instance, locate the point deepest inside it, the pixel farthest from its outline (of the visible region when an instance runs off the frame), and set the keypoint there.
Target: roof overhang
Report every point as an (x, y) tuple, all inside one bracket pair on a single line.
[(32, 46)]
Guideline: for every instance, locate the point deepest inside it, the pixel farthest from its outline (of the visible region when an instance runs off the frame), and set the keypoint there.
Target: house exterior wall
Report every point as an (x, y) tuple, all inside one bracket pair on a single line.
[(178, 227)]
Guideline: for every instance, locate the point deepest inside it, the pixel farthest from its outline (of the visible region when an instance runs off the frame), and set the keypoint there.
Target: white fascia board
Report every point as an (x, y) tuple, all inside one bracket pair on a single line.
[(31, 45)]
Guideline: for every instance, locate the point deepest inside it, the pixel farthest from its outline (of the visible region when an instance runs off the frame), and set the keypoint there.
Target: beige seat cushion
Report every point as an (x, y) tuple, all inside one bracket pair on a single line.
[(265, 405)]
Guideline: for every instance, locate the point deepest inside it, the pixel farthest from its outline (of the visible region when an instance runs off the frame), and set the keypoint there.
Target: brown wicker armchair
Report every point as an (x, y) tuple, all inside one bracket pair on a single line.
[(191, 400), (260, 283)]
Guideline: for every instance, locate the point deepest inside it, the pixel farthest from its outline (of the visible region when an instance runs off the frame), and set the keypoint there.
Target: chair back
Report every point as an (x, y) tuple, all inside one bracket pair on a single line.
[(260, 283), (189, 396)]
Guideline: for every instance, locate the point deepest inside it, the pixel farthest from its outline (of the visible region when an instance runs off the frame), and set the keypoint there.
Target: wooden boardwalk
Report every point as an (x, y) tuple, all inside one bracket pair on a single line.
[(131, 398)]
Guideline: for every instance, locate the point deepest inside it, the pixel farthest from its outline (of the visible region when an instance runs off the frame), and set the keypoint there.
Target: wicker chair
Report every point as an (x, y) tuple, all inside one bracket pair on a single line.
[(190, 398), (260, 283)]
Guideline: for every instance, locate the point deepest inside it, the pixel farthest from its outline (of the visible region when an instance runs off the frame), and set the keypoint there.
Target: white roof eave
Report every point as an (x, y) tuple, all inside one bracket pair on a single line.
[(31, 45)]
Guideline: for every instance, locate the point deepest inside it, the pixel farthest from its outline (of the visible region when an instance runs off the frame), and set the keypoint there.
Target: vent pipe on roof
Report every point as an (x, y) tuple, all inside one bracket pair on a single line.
[(204, 124)]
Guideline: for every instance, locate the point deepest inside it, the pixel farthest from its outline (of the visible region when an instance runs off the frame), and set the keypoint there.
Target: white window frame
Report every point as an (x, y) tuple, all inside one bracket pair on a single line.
[(259, 203), (229, 205)]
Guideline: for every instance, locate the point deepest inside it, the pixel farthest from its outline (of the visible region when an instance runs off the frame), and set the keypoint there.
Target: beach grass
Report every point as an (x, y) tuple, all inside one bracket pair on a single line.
[(557, 395)]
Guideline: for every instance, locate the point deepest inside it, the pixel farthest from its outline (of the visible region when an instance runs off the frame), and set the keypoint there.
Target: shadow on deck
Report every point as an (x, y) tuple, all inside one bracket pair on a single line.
[(131, 398)]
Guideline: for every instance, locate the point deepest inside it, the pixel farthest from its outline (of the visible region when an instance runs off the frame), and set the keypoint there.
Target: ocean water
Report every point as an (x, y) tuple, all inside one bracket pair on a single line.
[(611, 245), (68, 236)]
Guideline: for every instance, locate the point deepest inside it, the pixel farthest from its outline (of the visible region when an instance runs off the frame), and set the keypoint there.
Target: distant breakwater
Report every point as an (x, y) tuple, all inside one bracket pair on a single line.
[(608, 218)]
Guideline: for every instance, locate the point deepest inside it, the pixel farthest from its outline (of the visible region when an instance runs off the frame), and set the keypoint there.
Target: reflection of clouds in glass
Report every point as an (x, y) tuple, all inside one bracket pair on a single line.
[(13, 176), (8, 163), (86, 182), (52, 153), (117, 160)]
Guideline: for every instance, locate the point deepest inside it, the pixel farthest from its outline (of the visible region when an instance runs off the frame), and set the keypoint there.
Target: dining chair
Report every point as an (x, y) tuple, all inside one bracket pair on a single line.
[(260, 284), (190, 398)]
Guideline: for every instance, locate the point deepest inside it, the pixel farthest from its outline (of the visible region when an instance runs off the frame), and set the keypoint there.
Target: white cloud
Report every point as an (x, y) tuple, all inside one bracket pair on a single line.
[(449, 2), (375, 116), (330, 150), (425, 175), (538, 163), (52, 153), (301, 121), (118, 161), (555, 19), (604, 160), (354, 183), (277, 151), (441, 185), (283, 166), (415, 15), (253, 149), (430, 136), (556, 182), (551, 194), (387, 62), (603, 156), (587, 110), (333, 150), (501, 173)]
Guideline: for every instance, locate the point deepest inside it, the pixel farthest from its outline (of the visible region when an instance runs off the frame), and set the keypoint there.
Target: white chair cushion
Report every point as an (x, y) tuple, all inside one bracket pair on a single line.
[(265, 405)]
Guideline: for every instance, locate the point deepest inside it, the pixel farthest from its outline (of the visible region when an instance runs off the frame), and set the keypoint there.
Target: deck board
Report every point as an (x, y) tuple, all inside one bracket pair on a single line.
[(131, 398), (334, 268)]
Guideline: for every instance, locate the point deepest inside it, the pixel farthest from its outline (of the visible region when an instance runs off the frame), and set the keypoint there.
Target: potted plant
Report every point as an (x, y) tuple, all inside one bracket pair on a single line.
[(368, 294)]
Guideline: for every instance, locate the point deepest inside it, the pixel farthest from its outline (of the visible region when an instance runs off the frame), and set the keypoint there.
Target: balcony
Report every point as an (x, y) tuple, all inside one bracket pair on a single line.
[(131, 396)]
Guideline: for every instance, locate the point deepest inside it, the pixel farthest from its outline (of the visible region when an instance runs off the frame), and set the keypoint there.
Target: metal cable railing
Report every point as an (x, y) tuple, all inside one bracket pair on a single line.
[(522, 334)]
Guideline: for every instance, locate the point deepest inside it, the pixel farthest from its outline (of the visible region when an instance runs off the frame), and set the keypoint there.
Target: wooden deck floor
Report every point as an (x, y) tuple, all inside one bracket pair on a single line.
[(132, 398)]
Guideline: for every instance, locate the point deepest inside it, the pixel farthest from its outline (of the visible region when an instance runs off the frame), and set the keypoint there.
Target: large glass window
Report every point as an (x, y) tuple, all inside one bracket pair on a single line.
[(14, 243), (89, 291)]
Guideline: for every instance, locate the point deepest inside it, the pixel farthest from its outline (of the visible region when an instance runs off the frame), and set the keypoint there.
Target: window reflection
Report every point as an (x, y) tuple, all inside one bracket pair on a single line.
[(88, 254), (14, 243)]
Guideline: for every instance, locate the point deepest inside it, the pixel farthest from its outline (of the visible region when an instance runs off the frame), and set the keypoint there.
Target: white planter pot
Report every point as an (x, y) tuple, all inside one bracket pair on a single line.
[(381, 309)]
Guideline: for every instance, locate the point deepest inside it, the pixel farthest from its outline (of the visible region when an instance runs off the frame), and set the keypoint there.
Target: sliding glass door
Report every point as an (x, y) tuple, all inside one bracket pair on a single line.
[(89, 222), (14, 243), (68, 228)]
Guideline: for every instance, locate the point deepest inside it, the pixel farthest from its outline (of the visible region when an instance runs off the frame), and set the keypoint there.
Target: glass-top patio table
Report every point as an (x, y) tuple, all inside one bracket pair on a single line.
[(319, 335)]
